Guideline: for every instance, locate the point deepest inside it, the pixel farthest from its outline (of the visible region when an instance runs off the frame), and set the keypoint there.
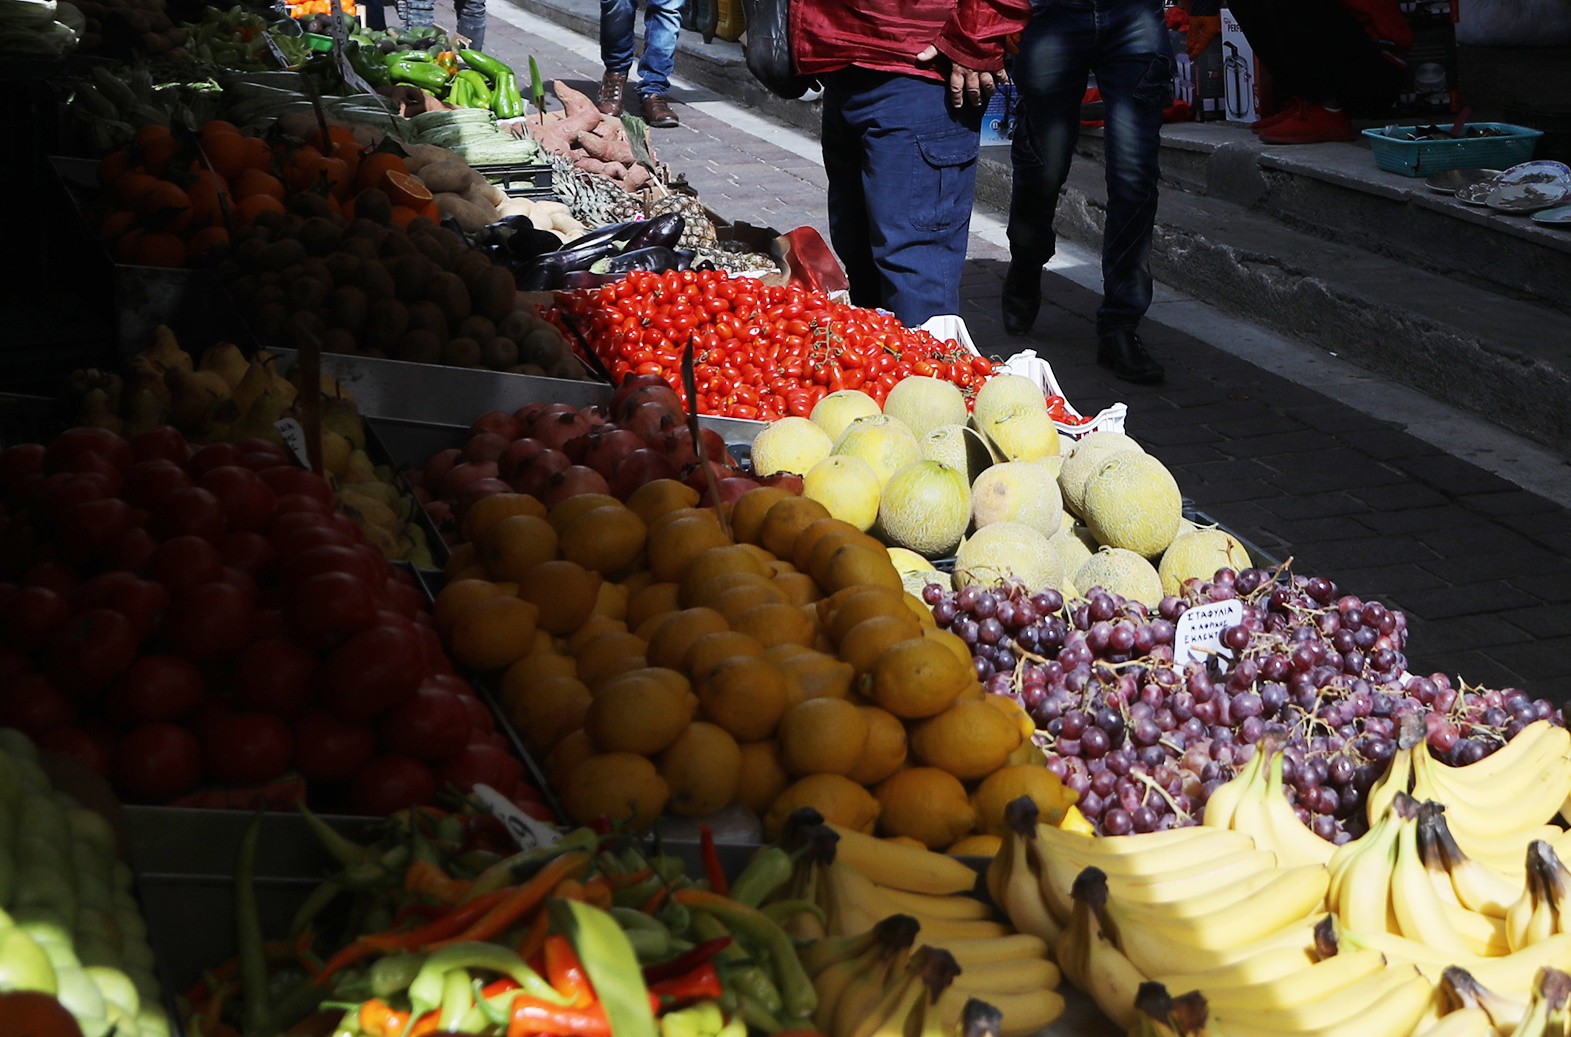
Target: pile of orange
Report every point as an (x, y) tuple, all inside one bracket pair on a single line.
[(167, 197)]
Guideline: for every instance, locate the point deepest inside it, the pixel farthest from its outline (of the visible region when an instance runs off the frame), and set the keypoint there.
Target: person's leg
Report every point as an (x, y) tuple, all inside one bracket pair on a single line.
[(470, 15), (1134, 69), (616, 34), (841, 140), (1050, 73), (662, 22)]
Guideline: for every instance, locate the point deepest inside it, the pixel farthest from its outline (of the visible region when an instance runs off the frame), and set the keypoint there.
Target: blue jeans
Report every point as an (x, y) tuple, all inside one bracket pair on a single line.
[(902, 171), (470, 16), (662, 21), (1125, 43)]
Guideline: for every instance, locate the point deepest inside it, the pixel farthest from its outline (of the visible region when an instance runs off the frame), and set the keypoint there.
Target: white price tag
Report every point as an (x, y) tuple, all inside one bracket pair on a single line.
[(525, 830), (1199, 630), (294, 439)]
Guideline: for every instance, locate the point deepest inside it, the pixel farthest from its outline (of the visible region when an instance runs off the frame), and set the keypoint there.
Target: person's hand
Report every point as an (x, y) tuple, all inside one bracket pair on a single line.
[(967, 86), (1203, 28)]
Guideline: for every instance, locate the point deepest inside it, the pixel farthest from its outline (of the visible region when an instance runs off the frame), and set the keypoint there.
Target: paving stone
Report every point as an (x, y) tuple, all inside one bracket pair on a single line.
[(1540, 621), (1454, 476), (1475, 667), (1387, 581), (1466, 599), (1335, 554), (1537, 660), (1400, 496)]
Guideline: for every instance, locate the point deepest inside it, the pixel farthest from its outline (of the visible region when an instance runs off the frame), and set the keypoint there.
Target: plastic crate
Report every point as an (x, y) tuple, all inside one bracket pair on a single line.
[(1424, 157), (519, 179)]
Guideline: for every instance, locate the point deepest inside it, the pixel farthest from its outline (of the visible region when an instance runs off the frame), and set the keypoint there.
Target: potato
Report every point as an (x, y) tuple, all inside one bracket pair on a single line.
[(421, 155), (516, 207), (477, 197), (493, 194), (449, 176), (469, 215)]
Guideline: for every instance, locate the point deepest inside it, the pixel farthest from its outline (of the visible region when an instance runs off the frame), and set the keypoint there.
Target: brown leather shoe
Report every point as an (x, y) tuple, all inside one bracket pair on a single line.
[(658, 113), (610, 99)]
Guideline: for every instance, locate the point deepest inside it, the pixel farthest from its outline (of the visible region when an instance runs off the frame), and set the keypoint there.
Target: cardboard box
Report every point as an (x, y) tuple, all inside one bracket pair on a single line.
[(1240, 73), (998, 122), (1429, 86)]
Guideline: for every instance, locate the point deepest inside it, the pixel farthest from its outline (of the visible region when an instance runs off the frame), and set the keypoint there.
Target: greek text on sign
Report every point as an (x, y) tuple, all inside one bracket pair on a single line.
[(525, 830), (294, 439), (1199, 630)]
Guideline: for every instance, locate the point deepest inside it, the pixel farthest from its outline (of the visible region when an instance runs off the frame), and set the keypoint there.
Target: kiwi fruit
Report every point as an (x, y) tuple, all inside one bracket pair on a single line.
[(499, 354), (419, 346), (461, 352), (476, 327)]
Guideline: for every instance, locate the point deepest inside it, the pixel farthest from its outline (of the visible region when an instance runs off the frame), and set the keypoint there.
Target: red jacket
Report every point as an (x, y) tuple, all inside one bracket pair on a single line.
[(888, 34)]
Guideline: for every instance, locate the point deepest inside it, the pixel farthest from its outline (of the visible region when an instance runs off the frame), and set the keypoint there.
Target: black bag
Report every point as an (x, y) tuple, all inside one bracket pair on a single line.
[(768, 48)]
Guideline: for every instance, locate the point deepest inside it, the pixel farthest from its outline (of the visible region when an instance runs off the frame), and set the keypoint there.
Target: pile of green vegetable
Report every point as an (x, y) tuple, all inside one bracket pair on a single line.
[(71, 927)]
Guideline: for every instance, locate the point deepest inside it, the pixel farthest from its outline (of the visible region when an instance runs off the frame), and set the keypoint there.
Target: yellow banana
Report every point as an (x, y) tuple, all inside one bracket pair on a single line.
[(1459, 989), (957, 907), (1023, 1013), (1539, 912), (1058, 876), (1265, 967), (886, 941), (832, 983), (1466, 1022), (858, 900), (1265, 813), (1501, 775), (1475, 885), (1509, 974), (820, 954), (902, 867), (1397, 778), (852, 904), (1222, 807), (1008, 976), (1156, 896), (1209, 841), (978, 953), (1155, 950), (1401, 1001), (1092, 961), (1307, 984), (1362, 897), (1420, 913), (1331, 1007), (1294, 895), (1535, 798), (1245, 870), (1015, 886), (861, 1007)]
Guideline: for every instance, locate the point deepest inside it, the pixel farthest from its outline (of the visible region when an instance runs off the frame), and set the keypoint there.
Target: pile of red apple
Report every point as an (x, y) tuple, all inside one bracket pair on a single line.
[(554, 451), (180, 621)]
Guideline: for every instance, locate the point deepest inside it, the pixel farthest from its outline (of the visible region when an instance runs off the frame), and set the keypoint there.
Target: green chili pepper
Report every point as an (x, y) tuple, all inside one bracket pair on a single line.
[(611, 965), (796, 989), (769, 869), (457, 999), (391, 974), (425, 990), (752, 982), (320, 897), (484, 64), (343, 849), (248, 920)]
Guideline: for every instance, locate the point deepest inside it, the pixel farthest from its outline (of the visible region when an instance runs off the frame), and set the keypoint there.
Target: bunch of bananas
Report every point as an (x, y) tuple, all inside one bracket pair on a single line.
[(1473, 1010), (875, 897)]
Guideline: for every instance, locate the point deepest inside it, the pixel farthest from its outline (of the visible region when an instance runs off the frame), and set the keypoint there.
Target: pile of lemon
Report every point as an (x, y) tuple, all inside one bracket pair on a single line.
[(660, 658)]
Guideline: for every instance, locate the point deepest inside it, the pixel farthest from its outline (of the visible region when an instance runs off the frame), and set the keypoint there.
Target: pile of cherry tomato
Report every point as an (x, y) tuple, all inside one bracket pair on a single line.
[(760, 351)]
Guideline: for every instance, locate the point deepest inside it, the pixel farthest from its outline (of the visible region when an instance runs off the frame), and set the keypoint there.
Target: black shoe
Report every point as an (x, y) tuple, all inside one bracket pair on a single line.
[(1121, 352), (1022, 297), (658, 113)]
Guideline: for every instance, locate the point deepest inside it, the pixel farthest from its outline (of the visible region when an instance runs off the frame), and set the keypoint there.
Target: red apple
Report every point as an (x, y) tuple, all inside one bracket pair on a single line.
[(86, 439), (148, 482)]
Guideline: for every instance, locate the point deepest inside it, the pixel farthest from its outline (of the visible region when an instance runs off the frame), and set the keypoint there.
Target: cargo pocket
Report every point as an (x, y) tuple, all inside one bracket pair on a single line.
[(1155, 89), (945, 164)]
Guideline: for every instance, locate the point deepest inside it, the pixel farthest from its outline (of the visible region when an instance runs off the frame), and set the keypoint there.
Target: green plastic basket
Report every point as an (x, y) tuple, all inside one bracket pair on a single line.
[(1424, 157)]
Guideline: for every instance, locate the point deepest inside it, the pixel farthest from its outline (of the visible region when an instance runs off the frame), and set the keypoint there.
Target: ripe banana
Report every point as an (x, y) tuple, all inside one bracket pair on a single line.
[(820, 954), (1510, 974), (1547, 1014), (1397, 778), (1165, 951), (977, 953), (902, 867), (1360, 887), (1214, 840), (957, 908), (855, 1012), (1222, 806), (1305, 985), (1530, 748), (1539, 755), (1242, 872), (1265, 967), (1541, 909), (1534, 798), (1292, 896), (850, 901), (1346, 1001), (1420, 913), (1008, 976), (858, 900), (1466, 1022), (887, 1017), (1263, 811), (1012, 879), (1391, 1007), (1092, 961), (1476, 886), (836, 963), (832, 983), (1459, 989), (1195, 877)]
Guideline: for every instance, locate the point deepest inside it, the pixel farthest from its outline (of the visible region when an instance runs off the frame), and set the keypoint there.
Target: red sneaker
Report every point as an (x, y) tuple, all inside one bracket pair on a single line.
[(1315, 125), (1293, 109)]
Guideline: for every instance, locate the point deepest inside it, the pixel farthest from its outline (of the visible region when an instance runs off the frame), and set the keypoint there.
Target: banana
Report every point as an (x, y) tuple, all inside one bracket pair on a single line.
[(1361, 871), (1163, 951), (1264, 812), (886, 940), (853, 902), (1222, 806), (1092, 961), (1466, 1022), (859, 901), (1475, 885), (1193, 878), (1540, 911), (1420, 913), (1547, 1014), (1508, 974), (1536, 797), (833, 981), (1210, 841), (1305, 985), (1008, 976), (958, 908), (901, 993), (1459, 989), (1246, 872), (1293, 895), (1012, 880), (1332, 1006), (926, 1018), (1265, 967), (1522, 751), (858, 1010), (1391, 1008), (1397, 778), (1023, 1013), (978, 953), (902, 867), (831, 950)]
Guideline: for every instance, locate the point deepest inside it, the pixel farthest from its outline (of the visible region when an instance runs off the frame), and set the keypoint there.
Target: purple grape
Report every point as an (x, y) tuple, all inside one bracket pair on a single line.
[(1094, 743), (1116, 821), (933, 593), (986, 606), (1144, 819)]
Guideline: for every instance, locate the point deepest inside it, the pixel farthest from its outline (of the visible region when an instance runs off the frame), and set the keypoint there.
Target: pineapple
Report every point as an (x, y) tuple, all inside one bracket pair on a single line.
[(698, 232)]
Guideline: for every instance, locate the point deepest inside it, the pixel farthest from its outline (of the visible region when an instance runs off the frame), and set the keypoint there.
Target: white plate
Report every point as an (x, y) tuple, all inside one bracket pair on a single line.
[(1476, 194), (1539, 171), (1453, 180), (1560, 217), (1527, 197)]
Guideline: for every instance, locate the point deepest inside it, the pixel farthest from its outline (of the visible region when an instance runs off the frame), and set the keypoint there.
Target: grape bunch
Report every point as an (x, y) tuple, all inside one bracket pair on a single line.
[(1145, 739)]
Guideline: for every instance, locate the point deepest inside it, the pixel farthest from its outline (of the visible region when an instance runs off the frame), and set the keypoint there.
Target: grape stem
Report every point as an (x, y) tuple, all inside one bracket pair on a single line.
[(1152, 784)]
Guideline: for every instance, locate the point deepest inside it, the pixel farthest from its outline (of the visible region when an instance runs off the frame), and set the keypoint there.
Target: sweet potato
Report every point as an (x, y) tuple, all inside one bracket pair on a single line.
[(636, 178), (574, 102), (447, 176), (606, 148), (469, 215)]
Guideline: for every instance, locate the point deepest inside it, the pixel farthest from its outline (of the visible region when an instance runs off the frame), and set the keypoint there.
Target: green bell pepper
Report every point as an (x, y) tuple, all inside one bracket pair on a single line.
[(427, 75), (24, 965), (484, 64), (479, 89), (506, 102)]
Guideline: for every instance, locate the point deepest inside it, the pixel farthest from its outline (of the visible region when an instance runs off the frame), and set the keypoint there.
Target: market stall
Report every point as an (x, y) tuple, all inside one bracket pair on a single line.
[(481, 590)]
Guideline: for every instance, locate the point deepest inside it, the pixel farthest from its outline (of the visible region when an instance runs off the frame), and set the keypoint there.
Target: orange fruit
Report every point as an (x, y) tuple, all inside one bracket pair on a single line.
[(926, 804), (573, 749), (374, 165), (217, 128), (156, 145), (812, 674), (710, 650), (205, 240), (610, 654), (117, 163), (784, 520), (957, 647), (619, 786), (405, 189), (657, 599), (798, 588), (494, 633), (774, 623), (970, 740), (885, 750), (568, 511), (841, 614), (593, 627), (921, 678), (821, 736), (726, 560), (516, 544), (673, 545), (611, 601), (815, 531), (865, 642), (129, 187), (248, 209), (607, 539), (702, 768), (532, 669), (462, 557), (670, 641), (550, 710), (976, 844), (116, 224), (160, 249), (659, 496), (403, 215), (254, 181), (1008, 784), (734, 601), (857, 565), (259, 155)]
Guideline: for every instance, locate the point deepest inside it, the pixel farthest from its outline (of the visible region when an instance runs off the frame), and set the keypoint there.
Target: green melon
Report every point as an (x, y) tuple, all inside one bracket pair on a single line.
[(847, 486), (925, 403), (883, 442), (1004, 551), (1088, 455), (837, 410), (1017, 491), (789, 445), (1121, 572), (925, 507), (1133, 502), (1198, 554)]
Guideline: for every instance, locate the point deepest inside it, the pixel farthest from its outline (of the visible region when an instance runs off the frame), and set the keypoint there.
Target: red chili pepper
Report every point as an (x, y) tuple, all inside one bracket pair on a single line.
[(566, 973), (713, 870), (531, 1015), (686, 961), (702, 982)]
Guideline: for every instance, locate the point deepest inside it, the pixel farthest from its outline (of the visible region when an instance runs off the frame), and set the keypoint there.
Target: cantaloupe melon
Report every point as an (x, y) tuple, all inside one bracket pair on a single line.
[(925, 403), (1007, 550), (1017, 491), (1198, 554), (1133, 502), (926, 507), (881, 441), (1121, 572)]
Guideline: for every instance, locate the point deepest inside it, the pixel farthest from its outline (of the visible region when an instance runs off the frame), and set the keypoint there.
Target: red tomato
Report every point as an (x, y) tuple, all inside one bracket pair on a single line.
[(329, 607), (291, 480), (279, 453), (32, 615), (189, 512), (130, 550), (73, 741), (156, 687), (481, 722), (301, 502), (92, 649), (276, 676), (300, 531), (20, 460), (400, 596), (436, 661), (150, 481), (34, 705), (210, 622), (63, 489), (431, 725), (247, 551), (91, 527), (74, 443), (297, 567), (329, 749), (164, 442), (390, 783), (214, 455), (480, 764), (157, 761), (247, 500), (373, 671), (247, 748), (183, 562)]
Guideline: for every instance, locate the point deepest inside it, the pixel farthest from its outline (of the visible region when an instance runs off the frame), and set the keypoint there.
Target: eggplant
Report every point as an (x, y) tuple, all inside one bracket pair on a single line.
[(665, 229), (528, 243), (585, 279), (451, 223), (685, 257), (610, 232), (657, 258), (538, 277)]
